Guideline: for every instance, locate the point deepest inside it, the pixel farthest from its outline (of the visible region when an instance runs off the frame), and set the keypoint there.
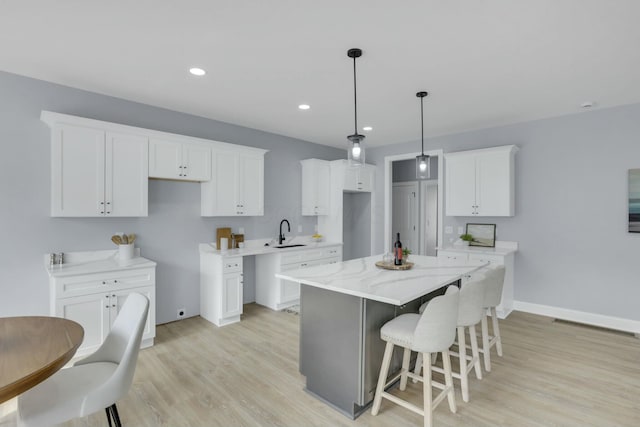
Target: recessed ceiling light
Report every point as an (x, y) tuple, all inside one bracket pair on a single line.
[(303, 107), (197, 71), (367, 128), (587, 104)]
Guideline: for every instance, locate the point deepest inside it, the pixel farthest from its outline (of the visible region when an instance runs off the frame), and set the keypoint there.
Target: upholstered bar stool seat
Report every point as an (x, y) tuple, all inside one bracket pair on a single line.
[(430, 332), (470, 314)]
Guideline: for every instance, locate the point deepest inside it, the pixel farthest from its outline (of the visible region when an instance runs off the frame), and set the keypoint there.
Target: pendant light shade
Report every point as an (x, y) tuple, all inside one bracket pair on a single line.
[(423, 163), (356, 146)]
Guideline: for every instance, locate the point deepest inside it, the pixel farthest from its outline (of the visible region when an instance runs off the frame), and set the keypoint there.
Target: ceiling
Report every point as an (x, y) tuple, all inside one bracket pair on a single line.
[(483, 62)]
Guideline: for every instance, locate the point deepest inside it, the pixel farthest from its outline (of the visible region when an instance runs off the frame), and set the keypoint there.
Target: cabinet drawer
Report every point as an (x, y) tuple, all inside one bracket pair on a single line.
[(332, 252), (452, 255), (292, 257), (231, 265), (492, 259), (100, 282)]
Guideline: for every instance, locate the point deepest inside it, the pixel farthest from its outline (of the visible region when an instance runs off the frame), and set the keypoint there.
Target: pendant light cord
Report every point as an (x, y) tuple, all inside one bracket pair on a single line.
[(422, 122), (355, 98)]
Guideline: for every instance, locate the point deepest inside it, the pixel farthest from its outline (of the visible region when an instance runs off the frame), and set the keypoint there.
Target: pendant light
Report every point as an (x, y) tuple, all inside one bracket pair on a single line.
[(356, 148), (423, 169)]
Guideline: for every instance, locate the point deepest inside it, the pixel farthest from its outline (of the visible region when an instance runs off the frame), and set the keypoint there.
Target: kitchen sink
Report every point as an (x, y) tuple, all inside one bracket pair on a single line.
[(288, 246)]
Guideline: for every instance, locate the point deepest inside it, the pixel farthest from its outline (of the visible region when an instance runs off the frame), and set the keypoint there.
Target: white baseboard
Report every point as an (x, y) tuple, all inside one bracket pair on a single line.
[(600, 320)]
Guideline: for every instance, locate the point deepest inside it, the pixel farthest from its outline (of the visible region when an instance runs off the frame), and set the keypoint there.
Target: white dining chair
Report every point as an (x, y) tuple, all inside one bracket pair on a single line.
[(93, 383), (492, 298), (470, 314), (430, 332)]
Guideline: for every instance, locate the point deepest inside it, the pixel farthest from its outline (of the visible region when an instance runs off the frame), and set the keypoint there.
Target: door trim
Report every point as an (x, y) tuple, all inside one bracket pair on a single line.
[(388, 183)]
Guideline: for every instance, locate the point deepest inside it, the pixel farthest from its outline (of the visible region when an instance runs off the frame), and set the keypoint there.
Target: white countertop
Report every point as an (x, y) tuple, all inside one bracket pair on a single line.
[(361, 278), (502, 248), (78, 263), (257, 248)]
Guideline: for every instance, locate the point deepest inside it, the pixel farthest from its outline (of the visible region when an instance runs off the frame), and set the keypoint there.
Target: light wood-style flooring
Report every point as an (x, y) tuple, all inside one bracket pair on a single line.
[(246, 374)]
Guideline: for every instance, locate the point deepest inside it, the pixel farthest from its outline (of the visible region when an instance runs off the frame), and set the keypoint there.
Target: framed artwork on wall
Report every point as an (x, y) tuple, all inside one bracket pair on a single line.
[(634, 200), (483, 235)]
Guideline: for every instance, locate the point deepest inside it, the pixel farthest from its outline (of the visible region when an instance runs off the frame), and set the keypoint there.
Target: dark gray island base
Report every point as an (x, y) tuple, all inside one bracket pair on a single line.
[(344, 305), (340, 346)]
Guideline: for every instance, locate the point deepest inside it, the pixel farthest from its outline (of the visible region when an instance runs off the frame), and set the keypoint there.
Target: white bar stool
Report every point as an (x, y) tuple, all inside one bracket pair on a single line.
[(470, 313), (430, 332), (492, 298)]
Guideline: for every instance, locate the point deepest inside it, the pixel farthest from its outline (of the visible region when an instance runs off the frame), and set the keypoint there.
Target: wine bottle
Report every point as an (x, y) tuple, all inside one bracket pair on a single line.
[(397, 251)]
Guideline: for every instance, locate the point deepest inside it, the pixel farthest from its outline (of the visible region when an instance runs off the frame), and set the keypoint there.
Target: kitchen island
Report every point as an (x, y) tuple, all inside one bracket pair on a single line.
[(342, 308)]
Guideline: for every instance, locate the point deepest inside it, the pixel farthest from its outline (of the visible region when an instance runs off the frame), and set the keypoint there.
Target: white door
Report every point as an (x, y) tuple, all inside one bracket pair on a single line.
[(323, 187), (231, 295), (492, 184), (196, 162), (460, 185), (77, 185), (309, 188), (226, 184), (365, 179), (92, 313), (405, 215), (165, 159), (251, 185), (289, 291), (118, 299), (127, 175)]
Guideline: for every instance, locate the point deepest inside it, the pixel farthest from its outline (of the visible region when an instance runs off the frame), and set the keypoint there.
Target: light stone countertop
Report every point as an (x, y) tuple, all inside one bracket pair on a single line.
[(361, 278), (502, 248), (79, 263), (256, 247)]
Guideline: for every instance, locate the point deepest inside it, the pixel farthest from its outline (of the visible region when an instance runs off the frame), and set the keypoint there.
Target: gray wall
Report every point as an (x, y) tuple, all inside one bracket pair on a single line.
[(171, 233), (571, 207)]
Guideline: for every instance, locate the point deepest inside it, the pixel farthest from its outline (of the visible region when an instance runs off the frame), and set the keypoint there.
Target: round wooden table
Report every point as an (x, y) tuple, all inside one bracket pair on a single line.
[(32, 349)]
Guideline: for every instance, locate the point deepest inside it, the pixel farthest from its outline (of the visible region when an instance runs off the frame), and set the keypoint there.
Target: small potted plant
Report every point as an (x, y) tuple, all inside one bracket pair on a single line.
[(466, 239), (405, 254)]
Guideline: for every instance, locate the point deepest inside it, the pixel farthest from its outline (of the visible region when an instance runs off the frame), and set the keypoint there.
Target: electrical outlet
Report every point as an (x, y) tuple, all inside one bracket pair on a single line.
[(181, 313), (241, 230), (299, 228), (448, 229), (460, 230)]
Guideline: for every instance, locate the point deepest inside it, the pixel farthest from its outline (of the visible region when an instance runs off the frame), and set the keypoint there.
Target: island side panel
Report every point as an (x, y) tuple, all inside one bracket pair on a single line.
[(331, 346), (376, 314)]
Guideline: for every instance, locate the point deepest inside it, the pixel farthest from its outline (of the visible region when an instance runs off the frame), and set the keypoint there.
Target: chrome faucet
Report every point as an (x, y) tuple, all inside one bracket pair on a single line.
[(281, 236)]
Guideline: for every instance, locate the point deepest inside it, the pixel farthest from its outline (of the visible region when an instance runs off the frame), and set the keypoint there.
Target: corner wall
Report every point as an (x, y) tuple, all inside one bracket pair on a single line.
[(571, 207), (173, 229)]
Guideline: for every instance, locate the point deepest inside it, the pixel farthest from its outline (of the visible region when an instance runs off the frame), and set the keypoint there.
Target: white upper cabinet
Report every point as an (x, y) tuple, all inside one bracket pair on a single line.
[(316, 185), (98, 173), (186, 161), (237, 184), (480, 182), (358, 178)]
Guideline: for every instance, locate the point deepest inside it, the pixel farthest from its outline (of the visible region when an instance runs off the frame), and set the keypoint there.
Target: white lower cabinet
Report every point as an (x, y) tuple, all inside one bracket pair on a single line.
[(278, 294), (94, 301), (506, 259), (221, 282)]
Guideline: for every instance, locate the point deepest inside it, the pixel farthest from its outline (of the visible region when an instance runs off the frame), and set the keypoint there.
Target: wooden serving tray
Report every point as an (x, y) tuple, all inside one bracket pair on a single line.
[(391, 266)]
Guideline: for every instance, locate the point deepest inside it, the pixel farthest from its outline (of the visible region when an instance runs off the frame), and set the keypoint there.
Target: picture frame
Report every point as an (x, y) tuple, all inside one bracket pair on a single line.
[(634, 200), (483, 235)]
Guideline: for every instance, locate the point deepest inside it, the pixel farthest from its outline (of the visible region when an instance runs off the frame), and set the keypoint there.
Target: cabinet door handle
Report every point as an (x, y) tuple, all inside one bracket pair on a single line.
[(107, 296), (114, 295), (113, 305), (106, 306), (104, 283), (115, 281)]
